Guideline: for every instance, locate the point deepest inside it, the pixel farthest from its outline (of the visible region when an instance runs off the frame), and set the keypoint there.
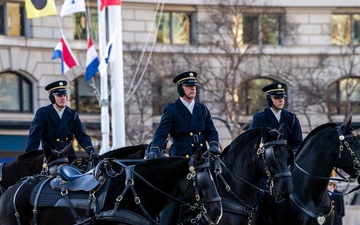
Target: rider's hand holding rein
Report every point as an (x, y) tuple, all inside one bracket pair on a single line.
[(154, 153)]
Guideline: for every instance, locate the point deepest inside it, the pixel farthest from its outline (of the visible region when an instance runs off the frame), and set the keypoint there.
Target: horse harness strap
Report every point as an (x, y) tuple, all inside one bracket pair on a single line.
[(239, 207), (17, 215), (35, 214), (320, 219), (129, 183)]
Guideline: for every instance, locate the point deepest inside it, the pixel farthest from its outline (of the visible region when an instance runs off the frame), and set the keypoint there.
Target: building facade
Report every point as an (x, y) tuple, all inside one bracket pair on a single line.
[(236, 46)]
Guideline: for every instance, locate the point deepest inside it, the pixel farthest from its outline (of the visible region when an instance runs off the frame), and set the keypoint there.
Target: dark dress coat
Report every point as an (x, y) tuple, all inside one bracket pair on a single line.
[(339, 209), (188, 131), (292, 133), (47, 127)]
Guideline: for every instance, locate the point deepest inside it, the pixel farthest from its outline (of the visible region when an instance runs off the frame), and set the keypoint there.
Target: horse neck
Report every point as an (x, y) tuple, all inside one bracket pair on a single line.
[(168, 178), (15, 170), (317, 158), (241, 169)]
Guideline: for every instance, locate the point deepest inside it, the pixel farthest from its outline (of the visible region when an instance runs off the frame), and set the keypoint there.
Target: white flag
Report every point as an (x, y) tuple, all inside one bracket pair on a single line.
[(72, 6)]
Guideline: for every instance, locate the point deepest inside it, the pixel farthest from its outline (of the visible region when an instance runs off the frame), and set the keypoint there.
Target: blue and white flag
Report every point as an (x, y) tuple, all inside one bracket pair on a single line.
[(110, 54), (72, 6), (92, 60)]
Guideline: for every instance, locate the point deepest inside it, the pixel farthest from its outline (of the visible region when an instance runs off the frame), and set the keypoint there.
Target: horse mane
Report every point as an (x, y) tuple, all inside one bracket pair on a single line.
[(30, 155), (314, 132), (247, 135), (124, 151)]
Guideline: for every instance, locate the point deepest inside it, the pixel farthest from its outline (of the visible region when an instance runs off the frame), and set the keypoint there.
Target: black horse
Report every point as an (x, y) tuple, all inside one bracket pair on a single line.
[(327, 146), (40, 162), (255, 154), (127, 152), (33, 162), (128, 195)]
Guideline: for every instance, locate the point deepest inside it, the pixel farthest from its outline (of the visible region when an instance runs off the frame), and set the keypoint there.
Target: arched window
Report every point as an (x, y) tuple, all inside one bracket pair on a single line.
[(252, 99), (15, 93), (163, 92), (344, 96), (83, 96)]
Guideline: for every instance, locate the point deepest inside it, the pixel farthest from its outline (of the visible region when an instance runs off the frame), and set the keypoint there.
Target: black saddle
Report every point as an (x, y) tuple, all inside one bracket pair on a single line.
[(75, 180)]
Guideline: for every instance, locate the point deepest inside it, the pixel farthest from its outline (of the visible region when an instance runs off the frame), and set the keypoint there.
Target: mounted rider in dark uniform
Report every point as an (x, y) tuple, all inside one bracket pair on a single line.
[(57, 124), (275, 114), (187, 121)]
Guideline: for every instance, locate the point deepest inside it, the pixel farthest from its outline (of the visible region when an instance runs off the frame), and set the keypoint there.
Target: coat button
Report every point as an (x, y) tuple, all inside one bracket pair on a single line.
[(201, 144), (192, 145), (191, 133), (58, 139)]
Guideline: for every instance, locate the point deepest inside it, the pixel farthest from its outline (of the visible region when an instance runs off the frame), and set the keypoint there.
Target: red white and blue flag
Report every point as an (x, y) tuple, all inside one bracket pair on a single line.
[(63, 52), (72, 6), (92, 60), (109, 2)]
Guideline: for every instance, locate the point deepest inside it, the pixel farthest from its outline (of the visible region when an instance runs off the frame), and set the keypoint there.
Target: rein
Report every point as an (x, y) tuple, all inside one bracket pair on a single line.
[(245, 208), (356, 163), (320, 219), (191, 177)]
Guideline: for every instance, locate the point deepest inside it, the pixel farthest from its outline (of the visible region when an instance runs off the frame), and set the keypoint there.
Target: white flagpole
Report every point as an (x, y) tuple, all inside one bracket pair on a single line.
[(104, 92), (117, 80)]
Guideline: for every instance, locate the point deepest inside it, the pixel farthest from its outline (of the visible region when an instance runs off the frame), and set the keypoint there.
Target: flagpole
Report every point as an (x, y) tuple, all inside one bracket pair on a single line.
[(104, 91), (117, 80)]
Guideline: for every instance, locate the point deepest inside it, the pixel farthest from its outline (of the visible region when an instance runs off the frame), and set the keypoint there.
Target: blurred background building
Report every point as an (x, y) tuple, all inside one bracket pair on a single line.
[(236, 46)]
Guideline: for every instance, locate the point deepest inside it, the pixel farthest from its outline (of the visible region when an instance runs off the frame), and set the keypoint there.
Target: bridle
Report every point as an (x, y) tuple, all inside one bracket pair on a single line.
[(343, 142), (266, 150), (199, 178), (267, 153)]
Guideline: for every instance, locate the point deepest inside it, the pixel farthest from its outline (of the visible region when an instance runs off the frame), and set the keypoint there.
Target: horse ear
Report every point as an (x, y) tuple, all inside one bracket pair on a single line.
[(66, 150), (346, 126), (47, 150), (281, 128), (198, 156), (264, 132)]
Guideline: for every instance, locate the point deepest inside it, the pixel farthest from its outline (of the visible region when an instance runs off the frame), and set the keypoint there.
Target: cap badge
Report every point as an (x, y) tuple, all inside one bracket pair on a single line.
[(191, 74), (279, 86), (61, 84)]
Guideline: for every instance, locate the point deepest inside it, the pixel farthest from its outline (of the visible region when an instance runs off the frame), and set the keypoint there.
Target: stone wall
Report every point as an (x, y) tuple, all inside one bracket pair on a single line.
[(352, 215)]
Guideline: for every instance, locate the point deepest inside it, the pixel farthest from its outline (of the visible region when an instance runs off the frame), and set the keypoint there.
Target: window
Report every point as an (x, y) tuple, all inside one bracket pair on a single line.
[(164, 92), (344, 96), (80, 25), (175, 28), (15, 93), (12, 19), (346, 29), (83, 96), (252, 98), (262, 29)]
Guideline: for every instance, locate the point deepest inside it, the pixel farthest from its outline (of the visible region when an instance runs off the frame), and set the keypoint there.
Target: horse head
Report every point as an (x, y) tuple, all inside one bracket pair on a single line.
[(53, 158), (276, 155), (206, 198), (348, 155)]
